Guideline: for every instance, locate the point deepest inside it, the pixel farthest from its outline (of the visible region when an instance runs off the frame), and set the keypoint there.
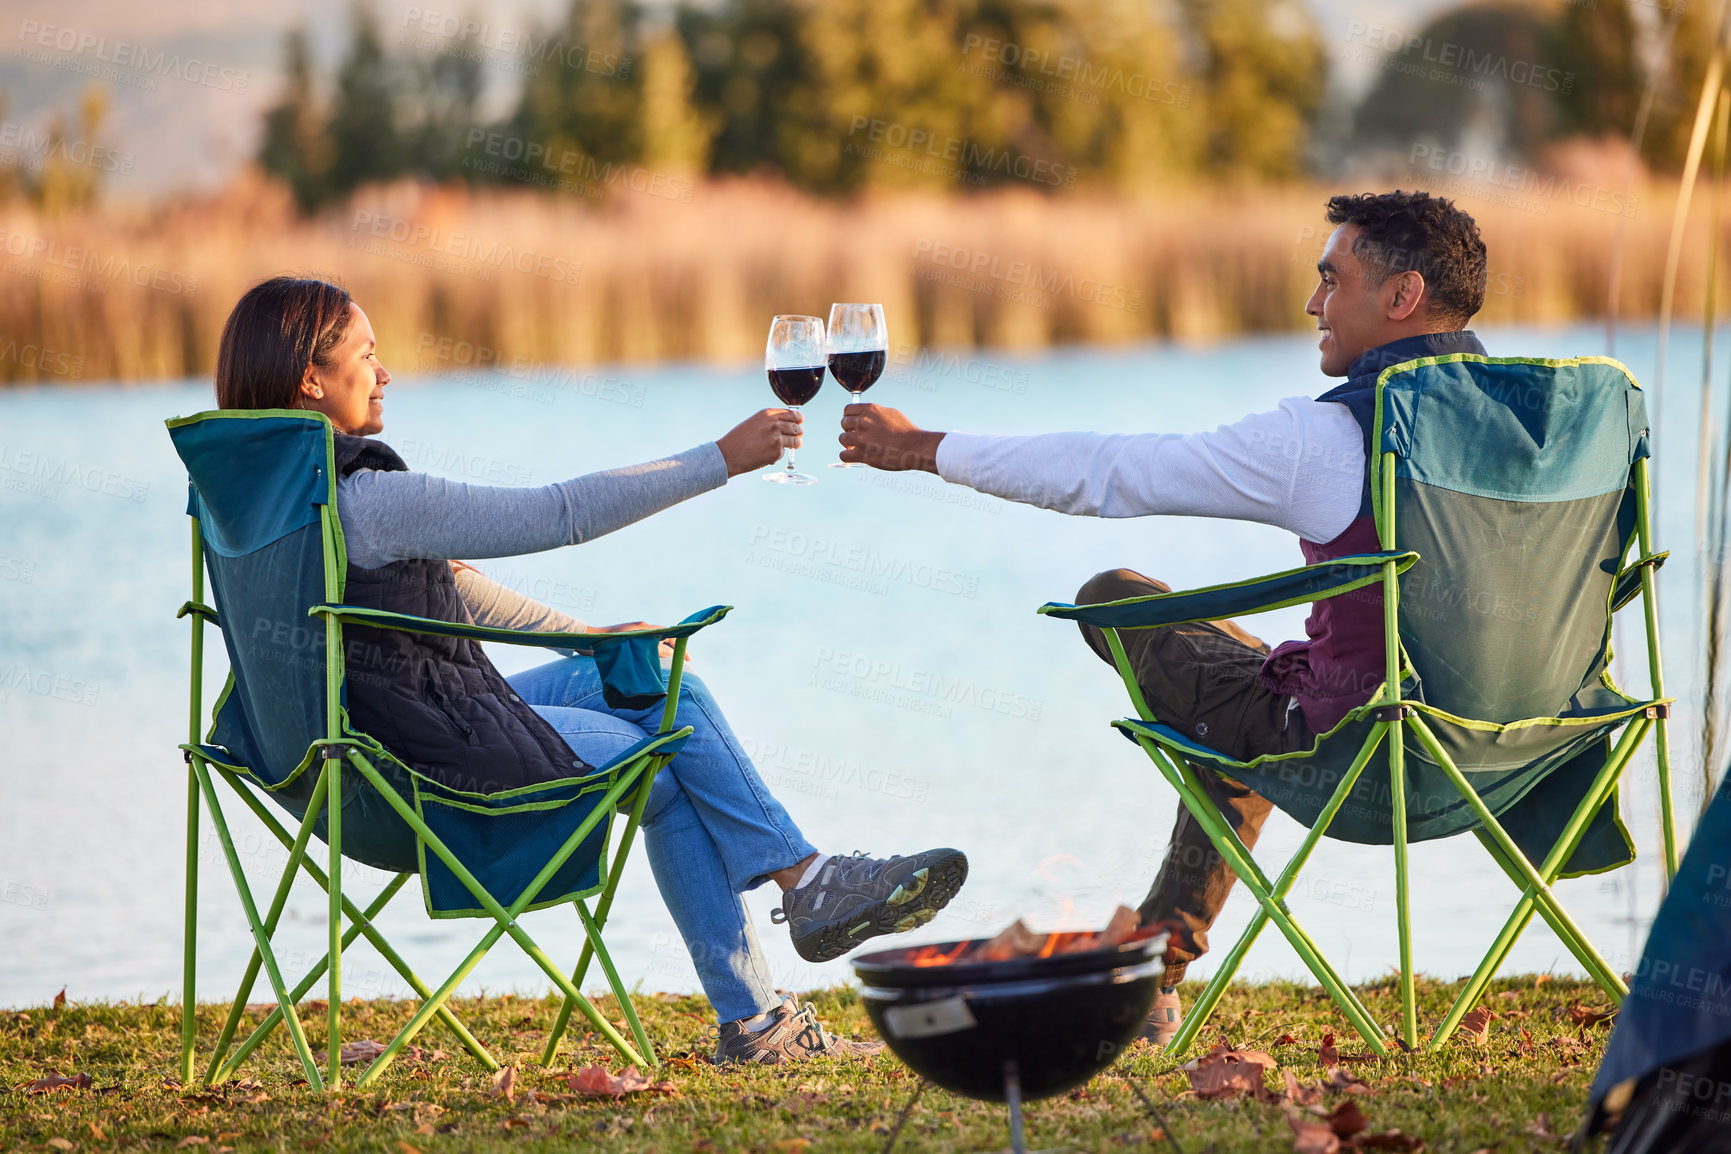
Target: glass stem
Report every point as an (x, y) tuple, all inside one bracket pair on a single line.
[(791, 451)]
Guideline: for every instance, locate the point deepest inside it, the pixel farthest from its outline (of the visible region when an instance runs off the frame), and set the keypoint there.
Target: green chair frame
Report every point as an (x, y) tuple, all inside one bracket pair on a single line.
[(1392, 714), (630, 781)]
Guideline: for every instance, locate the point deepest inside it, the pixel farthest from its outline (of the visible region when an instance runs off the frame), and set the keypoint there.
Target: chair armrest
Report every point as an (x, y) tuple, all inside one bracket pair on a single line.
[(1628, 586), (1240, 598), (630, 667)]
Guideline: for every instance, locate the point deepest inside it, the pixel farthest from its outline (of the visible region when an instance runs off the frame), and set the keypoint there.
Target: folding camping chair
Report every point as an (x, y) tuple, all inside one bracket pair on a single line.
[(263, 492), (1506, 492)]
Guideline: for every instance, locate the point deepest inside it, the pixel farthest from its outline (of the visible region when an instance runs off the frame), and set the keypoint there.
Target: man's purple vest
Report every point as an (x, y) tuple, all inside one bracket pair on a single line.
[(1341, 663)]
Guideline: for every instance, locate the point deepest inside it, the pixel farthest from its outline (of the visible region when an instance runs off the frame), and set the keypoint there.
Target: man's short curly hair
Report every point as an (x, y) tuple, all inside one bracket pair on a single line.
[(1417, 232)]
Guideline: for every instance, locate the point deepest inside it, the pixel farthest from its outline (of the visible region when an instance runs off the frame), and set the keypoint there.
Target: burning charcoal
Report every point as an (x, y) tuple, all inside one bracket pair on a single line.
[(1017, 941)]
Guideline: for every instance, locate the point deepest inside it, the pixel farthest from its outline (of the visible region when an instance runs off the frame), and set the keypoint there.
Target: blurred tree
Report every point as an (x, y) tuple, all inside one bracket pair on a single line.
[(747, 60), (676, 136), (1598, 43), (448, 89), (295, 148), (366, 141), (1486, 77), (1682, 72), (1263, 73), (69, 177), (584, 94)]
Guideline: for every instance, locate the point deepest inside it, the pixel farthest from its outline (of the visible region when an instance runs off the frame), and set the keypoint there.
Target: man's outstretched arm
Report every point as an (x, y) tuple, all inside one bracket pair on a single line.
[(1299, 466)]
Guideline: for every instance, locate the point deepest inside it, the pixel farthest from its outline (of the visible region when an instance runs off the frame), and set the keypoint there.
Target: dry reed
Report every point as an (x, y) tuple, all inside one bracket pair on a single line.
[(455, 279)]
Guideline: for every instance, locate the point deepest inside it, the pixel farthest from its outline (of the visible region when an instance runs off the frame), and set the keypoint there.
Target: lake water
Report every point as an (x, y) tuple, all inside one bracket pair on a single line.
[(927, 706)]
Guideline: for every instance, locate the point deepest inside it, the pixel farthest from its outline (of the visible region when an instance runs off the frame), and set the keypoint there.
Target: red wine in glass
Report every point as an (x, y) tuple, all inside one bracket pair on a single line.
[(795, 387), (857, 372), (858, 349), (794, 359)]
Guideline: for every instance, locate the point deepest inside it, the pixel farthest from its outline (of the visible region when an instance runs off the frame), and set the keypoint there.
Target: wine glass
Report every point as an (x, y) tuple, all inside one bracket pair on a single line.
[(859, 346), (794, 358)]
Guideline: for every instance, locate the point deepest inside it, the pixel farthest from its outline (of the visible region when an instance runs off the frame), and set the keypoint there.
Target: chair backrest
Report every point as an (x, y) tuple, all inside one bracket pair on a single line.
[(1513, 480), (261, 482)]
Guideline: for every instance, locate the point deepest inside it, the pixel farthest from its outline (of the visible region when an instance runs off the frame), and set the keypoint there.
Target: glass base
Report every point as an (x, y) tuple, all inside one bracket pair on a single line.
[(784, 477), (846, 465)]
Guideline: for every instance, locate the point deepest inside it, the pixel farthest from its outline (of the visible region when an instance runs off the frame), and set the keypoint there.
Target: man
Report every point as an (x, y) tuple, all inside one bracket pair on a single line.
[(1399, 278)]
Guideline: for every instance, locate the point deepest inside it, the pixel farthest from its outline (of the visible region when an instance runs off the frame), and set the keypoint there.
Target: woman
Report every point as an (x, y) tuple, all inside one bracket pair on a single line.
[(711, 827)]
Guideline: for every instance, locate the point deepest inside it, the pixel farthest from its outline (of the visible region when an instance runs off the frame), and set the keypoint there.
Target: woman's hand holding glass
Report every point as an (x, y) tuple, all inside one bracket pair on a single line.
[(757, 441)]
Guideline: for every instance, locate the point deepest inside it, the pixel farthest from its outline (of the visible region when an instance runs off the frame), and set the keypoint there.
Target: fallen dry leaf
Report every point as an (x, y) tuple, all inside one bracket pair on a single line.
[(55, 1082), (1590, 1016), (1540, 1127), (1297, 1094), (514, 1123), (1540, 980), (192, 1140), (60, 998), (505, 1084), (1286, 1040), (60, 1144), (405, 1148), (1310, 1136), (361, 1050), (1477, 1025), (597, 1082), (1341, 1082), (1328, 1053), (1226, 1073), (793, 1145), (1346, 1119)]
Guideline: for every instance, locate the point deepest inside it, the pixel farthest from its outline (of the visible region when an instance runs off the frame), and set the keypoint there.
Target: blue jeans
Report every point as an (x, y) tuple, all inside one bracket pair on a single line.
[(712, 828)]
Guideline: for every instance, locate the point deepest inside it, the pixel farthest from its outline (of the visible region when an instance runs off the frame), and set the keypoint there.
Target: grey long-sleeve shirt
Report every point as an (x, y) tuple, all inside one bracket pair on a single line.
[(392, 515)]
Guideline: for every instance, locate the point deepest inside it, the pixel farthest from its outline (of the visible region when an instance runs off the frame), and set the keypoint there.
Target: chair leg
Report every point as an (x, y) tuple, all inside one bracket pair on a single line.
[(429, 1007), (1403, 920), (189, 943), (603, 906), (334, 892), (593, 931), (365, 926), (505, 920), (1272, 908), (297, 852), (260, 938)]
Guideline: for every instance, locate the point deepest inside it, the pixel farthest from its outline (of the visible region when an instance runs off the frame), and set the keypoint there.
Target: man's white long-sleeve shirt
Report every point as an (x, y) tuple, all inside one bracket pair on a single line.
[(1299, 467)]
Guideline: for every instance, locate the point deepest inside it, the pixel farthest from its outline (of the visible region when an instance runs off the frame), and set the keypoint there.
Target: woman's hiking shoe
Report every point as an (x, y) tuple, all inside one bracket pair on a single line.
[(858, 897), (1164, 1018), (793, 1033)]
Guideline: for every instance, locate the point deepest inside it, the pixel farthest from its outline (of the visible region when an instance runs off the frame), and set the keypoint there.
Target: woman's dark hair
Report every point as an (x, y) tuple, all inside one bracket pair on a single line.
[(276, 330), (1417, 232)]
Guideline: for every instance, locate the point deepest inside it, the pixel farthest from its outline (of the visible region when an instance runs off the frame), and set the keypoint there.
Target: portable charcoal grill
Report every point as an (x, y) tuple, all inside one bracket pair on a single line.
[(1006, 1031)]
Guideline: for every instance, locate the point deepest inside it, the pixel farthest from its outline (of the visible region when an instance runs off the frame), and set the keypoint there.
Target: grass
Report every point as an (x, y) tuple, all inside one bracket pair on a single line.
[(1526, 1081)]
